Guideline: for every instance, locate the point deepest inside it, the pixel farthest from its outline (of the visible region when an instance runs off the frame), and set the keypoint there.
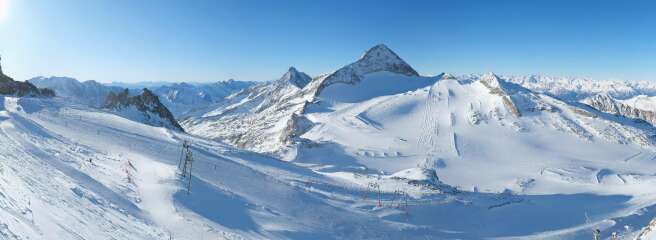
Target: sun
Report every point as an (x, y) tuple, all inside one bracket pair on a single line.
[(4, 10)]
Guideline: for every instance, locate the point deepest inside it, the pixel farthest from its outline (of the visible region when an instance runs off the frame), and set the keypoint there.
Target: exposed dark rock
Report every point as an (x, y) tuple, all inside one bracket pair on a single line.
[(8, 86), (147, 103), (608, 104)]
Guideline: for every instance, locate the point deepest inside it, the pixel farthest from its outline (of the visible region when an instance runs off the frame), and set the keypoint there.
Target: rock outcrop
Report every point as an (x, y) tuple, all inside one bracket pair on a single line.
[(496, 86), (608, 104), (8, 86), (144, 107)]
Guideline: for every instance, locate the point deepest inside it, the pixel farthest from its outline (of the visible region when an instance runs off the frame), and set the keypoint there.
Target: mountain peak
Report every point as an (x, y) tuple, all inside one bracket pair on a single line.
[(379, 50), (296, 78), (382, 58), (446, 76), (377, 59), (491, 80)]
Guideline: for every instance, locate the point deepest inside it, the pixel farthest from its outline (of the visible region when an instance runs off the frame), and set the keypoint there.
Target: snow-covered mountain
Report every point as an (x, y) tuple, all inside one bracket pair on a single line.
[(182, 98), (90, 92), (576, 88), (144, 107), (377, 118), (372, 150), (179, 98), (256, 117)]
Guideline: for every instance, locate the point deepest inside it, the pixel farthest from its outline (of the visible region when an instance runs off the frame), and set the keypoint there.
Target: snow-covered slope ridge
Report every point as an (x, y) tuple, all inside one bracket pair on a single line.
[(255, 118)]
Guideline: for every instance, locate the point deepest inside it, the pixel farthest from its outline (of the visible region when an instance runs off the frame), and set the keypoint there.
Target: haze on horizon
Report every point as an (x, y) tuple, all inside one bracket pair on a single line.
[(134, 41)]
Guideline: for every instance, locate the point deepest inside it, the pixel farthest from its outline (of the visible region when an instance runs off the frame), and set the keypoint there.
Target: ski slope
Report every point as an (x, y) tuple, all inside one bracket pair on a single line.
[(72, 172), (65, 171)]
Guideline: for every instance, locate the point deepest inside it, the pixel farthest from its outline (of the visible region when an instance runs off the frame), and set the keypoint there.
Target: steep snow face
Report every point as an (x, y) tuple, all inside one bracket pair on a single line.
[(90, 92), (256, 118), (145, 108), (639, 107)]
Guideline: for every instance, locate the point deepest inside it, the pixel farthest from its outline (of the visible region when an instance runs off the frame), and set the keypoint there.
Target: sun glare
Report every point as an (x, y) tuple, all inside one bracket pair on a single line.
[(4, 10)]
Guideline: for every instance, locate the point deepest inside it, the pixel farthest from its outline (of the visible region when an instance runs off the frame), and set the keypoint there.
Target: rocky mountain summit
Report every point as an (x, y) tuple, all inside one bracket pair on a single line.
[(144, 107), (296, 78), (376, 59)]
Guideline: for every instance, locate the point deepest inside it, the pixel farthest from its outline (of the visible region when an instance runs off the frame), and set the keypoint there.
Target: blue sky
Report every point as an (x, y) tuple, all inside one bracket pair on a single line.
[(165, 40)]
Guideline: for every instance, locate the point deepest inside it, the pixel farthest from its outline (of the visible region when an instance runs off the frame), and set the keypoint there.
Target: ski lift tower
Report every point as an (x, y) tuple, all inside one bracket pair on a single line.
[(185, 164)]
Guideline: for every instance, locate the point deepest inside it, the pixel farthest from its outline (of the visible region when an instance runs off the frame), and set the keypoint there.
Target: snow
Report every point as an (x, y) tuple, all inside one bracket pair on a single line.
[(89, 92), (47, 179), (370, 151), (179, 98)]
